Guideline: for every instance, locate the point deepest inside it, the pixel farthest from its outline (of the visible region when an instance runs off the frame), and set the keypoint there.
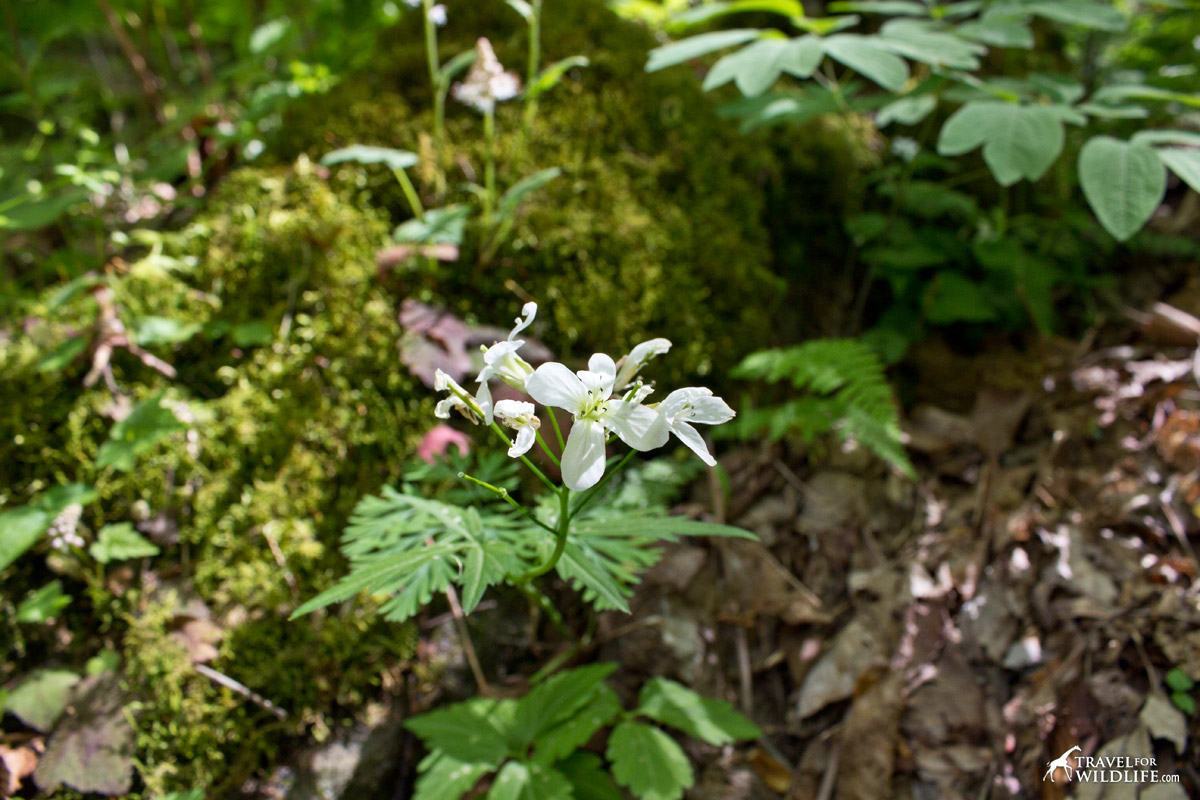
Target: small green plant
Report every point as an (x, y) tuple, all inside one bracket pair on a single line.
[(409, 547), (533, 748), (1181, 686), (848, 394)]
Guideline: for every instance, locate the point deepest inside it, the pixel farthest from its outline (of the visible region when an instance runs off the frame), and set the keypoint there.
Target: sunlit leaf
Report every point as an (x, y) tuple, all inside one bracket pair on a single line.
[(1018, 141), (714, 721), (696, 46), (1123, 183), (648, 762), (867, 56)]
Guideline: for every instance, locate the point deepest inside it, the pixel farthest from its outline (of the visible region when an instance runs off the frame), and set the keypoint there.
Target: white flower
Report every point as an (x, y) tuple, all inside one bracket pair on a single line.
[(683, 407), (437, 15), (455, 401), (64, 529), (412, 3), (487, 83), (521, 417), (501, 361), (637, 358), (587, 395)]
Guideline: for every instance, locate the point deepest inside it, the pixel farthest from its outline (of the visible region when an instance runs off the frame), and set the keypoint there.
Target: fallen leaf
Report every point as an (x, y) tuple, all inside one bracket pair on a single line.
[(40, 699), (91, 749), (870, 732), (1164, 721), (863, 644), (16, 764)]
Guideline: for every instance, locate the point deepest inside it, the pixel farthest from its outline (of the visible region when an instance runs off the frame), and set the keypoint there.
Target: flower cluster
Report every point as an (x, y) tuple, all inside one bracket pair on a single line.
[(605, 399), (64, 530), (487, 83)]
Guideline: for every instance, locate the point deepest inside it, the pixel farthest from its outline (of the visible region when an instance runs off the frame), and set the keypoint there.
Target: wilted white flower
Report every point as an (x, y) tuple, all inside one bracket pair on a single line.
[(637, 358), (684, 407), (437, 15), (521, 417), (587, 395), (455, 401), (487, 83), (501, 361)]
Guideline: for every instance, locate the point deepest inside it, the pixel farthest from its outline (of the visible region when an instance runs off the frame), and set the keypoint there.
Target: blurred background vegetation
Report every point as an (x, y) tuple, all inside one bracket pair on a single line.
[(200, 352)]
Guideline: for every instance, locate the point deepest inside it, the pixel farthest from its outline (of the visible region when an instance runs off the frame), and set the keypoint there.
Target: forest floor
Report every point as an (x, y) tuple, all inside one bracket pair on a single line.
[(1033, 593)]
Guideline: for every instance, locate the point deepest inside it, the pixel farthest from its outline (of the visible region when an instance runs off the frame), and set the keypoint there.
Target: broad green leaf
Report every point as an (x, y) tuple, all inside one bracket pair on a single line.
[(146, 425), (1068, 115), (1099, 15), (648, 762), (366, 154), (525, 187), (520, 781), (776, 109), (20, 529), (867, 56), (446, 778), (823, 26), (555, 699), (439, 226), (907, 110), (1184, 702), (587, 775), (952, 297), (1060, 88), (55, 500), (1018, 141), (1121, 92), (710, 11), (470, 732), (898, 8), (41, 697), (1123, 183), (104, 661), (1184, 162), (998, 32), (929, 42), (600, 709), (161, 330), (40, 212), (1104, 111), (1185, 138), (549, 77), (714, 721), (120, 542), (43, 604), (757, 66), (64, 354), (92, 747), (695, 46), (1179, 681), (254, 333)]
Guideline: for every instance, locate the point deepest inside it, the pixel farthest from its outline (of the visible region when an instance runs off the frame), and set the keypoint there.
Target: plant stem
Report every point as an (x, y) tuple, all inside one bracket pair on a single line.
[(431, 53), (540, 600), (560, 545), (489, 168), (535, 56), (545, 449), (541, 475), (562, 445), (595, 490), (506, 497), (410, 193)]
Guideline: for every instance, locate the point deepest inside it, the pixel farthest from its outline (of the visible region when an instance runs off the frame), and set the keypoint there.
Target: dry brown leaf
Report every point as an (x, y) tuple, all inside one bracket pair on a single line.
[(16, 764), (870, 732)]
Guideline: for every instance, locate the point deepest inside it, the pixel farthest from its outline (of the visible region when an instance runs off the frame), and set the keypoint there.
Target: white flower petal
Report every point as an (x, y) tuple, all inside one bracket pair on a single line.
[(583, 458), (597, 383), (679, 398), (514, 409), (443, 408), (639, 427), (695, 442), (523, 442), (637, 358), (483, 399), (602, 363), (552, 384), (710, 411), (528, 315)]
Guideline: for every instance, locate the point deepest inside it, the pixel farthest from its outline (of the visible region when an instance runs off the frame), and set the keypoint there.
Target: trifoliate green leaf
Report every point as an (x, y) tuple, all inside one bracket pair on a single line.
[(1018, 141), (648, 762), (1123, 183), (714, 721), (521, 781), (120, 542)]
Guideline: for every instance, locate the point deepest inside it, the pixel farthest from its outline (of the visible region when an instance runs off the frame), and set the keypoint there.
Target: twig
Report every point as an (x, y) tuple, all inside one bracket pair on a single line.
[(135, 59), (468, 648), (249, 694), (744, 671)]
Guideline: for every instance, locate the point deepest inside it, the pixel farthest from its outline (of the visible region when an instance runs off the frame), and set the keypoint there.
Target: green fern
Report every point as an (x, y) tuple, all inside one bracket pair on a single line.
[(848, 394)]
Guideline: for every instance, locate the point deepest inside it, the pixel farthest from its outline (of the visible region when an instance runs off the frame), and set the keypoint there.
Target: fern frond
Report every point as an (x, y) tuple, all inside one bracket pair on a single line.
[(848, 394)]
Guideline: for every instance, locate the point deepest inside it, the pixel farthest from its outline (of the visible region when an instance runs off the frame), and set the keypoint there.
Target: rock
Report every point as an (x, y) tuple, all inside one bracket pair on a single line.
[(360, 763)]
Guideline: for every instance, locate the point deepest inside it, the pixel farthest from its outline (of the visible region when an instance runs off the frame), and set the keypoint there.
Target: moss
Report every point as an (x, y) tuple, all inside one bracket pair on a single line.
[(248, 505), (649, 232)]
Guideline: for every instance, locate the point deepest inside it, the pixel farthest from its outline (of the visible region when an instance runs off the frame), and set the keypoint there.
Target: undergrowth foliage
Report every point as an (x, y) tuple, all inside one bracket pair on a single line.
[(848, 394)]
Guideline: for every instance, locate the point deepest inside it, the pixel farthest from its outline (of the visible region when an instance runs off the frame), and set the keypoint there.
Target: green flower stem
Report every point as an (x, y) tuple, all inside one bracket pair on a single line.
[(489, 167), (546, 449), (595, 490), (541, 601), (564, 527), (410, 193), (508, 443), (431, 52), (562, 445), (535, 56), (506, 497)]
